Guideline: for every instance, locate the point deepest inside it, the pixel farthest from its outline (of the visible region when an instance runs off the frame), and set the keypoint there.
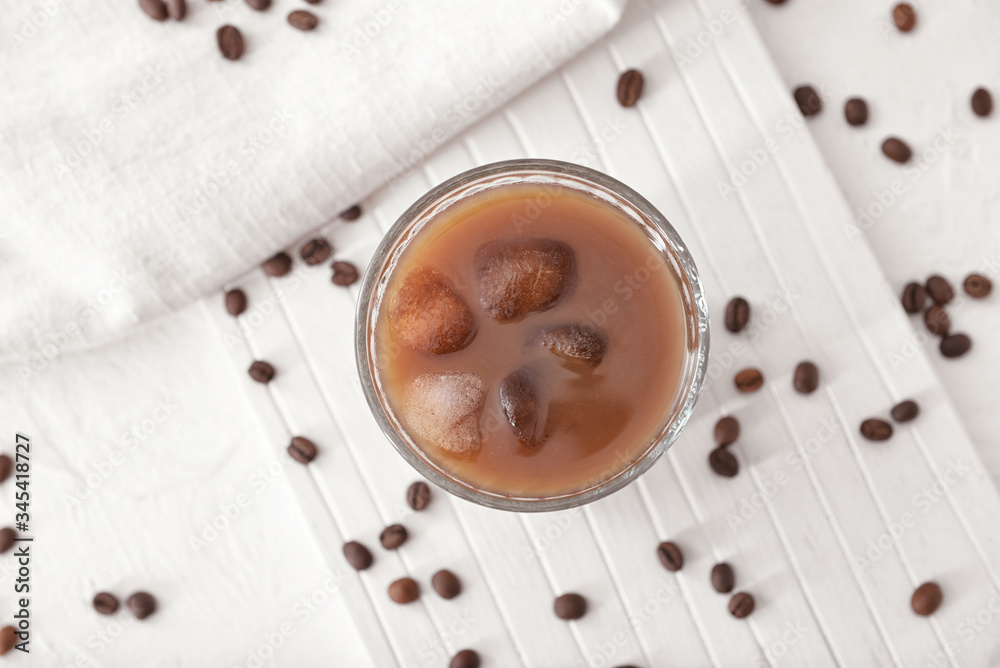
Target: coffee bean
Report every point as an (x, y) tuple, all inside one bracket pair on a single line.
[(776, 2), (904, 16), (937, 321), (724, 462), (351, 214), (236, 302), (177, 9), (156, 9), (914, 298), (302, 450), (926, 599), (876, 430), (723, 578), (344, 274), (105, 603), (446, 584), (808, 100), (278, 266), (896, 150), (303, 20), (314, 2), (670, 556), (982, 102), (230, 41), (262, 372), (418, 495), (6, 467), (316, 251), (905, 411), (940, 289), (749, 380), (806, 378), (404, 590), (727, 430), (856, 111), (955, 345), (741, 605), (8, 639), (737, 314), (142, 604), (630, 88), (467, 658), (977, 286), (7, 536), (570, 606), (259, 5), (357, 555), (393, 536)]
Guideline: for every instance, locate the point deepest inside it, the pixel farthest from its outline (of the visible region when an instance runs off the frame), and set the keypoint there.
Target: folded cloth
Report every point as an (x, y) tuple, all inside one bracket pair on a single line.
[(142, 169)]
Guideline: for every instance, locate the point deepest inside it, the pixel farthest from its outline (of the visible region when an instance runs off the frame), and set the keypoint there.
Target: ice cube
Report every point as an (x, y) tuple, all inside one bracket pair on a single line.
[(524, 407), (443, 409), (518, 277), (427, 314), (574, 342)]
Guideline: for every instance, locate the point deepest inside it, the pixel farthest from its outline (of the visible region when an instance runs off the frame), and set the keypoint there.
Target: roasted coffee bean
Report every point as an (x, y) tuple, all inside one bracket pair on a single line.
[(914, 298), (7, 536), (344, 274), (230, 41), (982, 102), (156, 9), (302, 450), (8, 639), (314, 2), (351, 214), (806, 378), (723, 462), (904, 16), (940, 289), (357, 555), (262, 372), (570, 606), (749, 380), (926, 599), (6, 467), (808, 100), (467, 658), (727, 430), (236, 302), (937, 321), (316, 251), (905, 411), (303, 20), (977, 286), (741, 605), (105, 603), (259, 5), (142, 604), (955, 345), (279, 265), (670, 556), (896, 150), (776, 2), (723, 578), (876, 430), (393, 536), (177, 9), (404, 590), (737, 314), (418, 495), (856, 111), (446, 584), (630, 88)]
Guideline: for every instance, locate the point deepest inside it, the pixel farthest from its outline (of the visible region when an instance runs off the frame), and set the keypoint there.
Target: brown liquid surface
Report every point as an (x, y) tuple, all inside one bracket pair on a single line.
[(599, 420)]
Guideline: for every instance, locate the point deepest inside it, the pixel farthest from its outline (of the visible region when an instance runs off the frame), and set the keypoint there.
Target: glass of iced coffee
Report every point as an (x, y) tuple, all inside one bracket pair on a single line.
[(532, 335)]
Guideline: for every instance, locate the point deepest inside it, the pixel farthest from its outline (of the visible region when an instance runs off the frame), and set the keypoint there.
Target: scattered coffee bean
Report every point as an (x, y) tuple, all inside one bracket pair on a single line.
[(737, 314), (776, 2), (896, 150), (8, 639), (856, 111), (236, 302), (7, 536), (314, 2), (259, 5), (156, 9), (806, 378), (418, 495), (905, 411), (142, 604), (302, 450), (727, 430), (279, 265), (723, 462), (357, 555), (955, 345), (937, 321), (570, 606), (982, 102), (926, 599), (6, 467), (741, 605), (351, 214), (940, 289), (914, 298), (876, 430), (316, 251), (105, 603), (904, 16), (344, 274), (749, 380), (230, 41), (723, 578), (303, 20), (446, 584), (177, 9), (404, 590), (670, 556), (393, 536), (808, 100), (467, 658), (977, 286), (630, 88), (262, 372)]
